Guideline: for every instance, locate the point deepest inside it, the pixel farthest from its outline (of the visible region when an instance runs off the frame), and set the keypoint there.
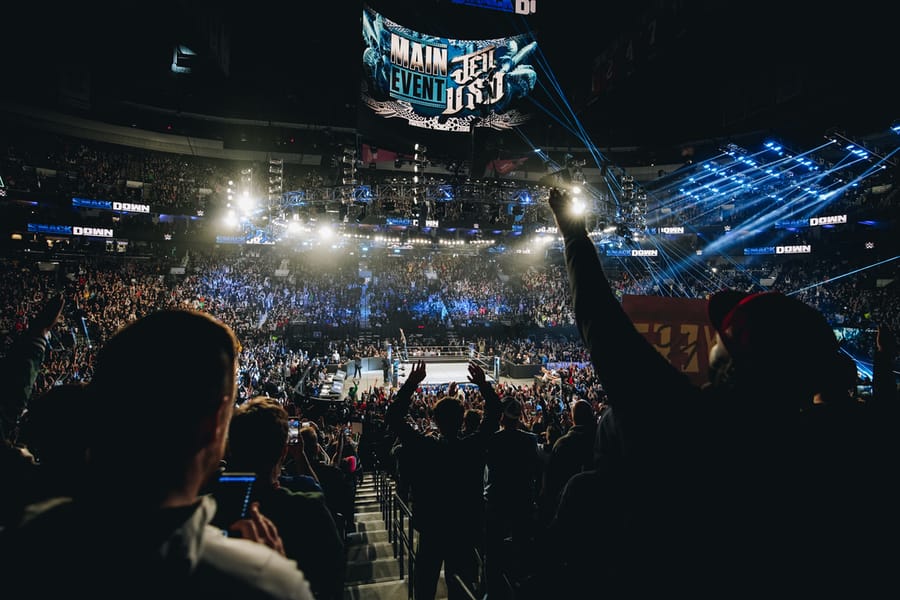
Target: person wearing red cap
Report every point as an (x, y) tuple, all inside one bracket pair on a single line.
[(720, 490)]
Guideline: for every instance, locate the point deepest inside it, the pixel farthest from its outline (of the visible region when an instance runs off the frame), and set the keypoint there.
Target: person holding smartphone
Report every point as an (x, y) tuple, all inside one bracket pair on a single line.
[(151, 526), (258, 443)]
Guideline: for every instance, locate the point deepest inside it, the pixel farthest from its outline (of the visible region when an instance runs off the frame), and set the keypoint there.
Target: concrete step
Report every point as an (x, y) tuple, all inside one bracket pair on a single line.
[(366, 504), (372, 571), (369, 516), (366, 536), (369, 571), (370, 527), (382, 590), (370, 551), (388, 590), (368, 508)]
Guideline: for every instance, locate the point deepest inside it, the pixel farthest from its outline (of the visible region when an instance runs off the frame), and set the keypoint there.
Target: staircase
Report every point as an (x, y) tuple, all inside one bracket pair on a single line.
[(373, 573)]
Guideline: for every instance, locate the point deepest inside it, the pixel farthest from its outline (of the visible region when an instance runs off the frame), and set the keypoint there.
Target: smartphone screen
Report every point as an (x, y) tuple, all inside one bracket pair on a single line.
[(233, 492), (293, 431)]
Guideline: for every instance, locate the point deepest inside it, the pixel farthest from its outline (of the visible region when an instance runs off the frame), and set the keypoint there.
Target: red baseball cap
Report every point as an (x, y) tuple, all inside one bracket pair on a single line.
[(771, 328)]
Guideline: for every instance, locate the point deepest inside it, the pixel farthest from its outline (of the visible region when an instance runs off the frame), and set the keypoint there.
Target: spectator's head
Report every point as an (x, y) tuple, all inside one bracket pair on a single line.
[(310, 440), (162, 395), (511, 412), (471, 419), (582, 412), (258, 438), (770, 340), (448, 415)]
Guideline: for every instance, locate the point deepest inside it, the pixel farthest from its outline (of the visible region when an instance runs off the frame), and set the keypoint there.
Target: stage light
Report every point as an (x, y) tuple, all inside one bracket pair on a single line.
[(578, 207)]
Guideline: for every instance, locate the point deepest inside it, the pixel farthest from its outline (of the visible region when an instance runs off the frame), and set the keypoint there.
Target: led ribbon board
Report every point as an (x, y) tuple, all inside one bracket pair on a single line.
[(519, 7)]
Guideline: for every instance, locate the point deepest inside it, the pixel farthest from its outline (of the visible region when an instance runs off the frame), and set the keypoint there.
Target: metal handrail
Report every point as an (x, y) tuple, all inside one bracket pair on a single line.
[(397, 516), (404, 544)]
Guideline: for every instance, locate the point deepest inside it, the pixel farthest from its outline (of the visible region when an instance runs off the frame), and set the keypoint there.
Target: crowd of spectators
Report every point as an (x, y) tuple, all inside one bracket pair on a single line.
[(441, 293), (496, 305), (105, 293)]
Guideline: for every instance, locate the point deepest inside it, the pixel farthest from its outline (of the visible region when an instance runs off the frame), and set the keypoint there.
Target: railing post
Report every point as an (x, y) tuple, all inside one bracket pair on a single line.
[(398, 537), (386, 506), (410, 585), (392, 524)]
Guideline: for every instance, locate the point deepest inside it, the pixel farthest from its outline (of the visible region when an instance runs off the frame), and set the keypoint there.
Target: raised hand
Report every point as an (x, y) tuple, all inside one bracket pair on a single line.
[(451, 388), (476, 374), (566, 220), (417, 374), (259, 528), (49, 315)]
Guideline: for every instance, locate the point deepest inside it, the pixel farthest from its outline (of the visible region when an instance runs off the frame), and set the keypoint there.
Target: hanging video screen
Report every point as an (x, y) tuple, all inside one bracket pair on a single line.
[(443, 84)]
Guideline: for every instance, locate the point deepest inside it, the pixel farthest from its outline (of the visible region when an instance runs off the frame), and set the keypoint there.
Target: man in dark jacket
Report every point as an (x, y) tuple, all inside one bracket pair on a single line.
[(446, 483), (570, 454), (513, 470)]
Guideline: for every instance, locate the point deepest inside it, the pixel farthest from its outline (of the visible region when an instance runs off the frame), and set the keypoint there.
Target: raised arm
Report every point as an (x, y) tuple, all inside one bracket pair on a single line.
[(490, 420), (395, 415), (20, 368), (300, 461), (625, 362)]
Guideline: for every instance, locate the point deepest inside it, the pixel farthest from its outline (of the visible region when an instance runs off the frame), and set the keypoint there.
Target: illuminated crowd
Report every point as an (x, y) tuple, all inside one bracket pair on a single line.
[(511, 307), (441, 294)]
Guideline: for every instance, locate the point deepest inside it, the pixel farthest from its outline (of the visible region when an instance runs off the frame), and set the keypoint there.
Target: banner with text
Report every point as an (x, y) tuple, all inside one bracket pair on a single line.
[(678, 328)]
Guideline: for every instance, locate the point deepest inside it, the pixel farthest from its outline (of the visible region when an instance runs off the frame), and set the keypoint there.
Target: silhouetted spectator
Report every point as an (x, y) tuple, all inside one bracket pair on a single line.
[(570, 454), (512, 477), (734, 467), (153, 448), (445, 475)]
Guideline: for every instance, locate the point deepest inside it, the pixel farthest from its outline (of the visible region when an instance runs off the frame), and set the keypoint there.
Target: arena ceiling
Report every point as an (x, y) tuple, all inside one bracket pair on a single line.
[(795, 69)]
